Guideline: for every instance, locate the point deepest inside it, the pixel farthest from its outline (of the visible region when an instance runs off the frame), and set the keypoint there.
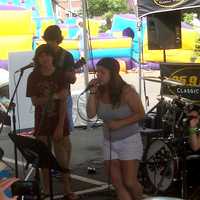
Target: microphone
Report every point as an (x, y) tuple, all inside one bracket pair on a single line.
[(30, 65), (90, 86)]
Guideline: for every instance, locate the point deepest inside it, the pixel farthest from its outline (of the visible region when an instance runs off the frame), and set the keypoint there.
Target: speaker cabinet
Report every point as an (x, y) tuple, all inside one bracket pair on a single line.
[(164, 30)]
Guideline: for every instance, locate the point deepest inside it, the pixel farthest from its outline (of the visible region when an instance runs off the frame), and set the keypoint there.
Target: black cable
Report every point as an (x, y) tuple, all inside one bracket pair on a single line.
[(81, 116), (92, 62), (91, 57), (17, 104), (19, 125), (110, 157)]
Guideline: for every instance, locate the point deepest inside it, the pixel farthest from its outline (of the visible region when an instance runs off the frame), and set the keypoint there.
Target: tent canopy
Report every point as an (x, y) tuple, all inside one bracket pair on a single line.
[(146, 7)]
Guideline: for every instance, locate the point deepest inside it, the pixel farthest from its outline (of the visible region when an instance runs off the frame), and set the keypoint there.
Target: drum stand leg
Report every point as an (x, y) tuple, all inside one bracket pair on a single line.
[(184, 186), (184, 178)]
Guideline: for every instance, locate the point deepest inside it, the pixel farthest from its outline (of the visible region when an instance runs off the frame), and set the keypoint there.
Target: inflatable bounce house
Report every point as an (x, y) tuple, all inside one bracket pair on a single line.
[(24, 33), (100, 44)]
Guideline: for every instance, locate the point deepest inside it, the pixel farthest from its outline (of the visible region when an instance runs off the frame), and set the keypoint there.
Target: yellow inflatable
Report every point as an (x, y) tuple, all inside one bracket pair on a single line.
[(64, 32), (111, 43), (189, 37), (66, 44), (16, 32), (122, 66), (15, 22), (14, 44), (94, 27), (182, 55), (45, 24)]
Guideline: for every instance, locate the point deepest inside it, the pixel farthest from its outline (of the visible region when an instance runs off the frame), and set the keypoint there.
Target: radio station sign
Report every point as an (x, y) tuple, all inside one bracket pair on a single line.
[(187, 74)]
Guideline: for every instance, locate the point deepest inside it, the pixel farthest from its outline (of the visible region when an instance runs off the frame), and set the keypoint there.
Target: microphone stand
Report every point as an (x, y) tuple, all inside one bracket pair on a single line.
[(11, 106)]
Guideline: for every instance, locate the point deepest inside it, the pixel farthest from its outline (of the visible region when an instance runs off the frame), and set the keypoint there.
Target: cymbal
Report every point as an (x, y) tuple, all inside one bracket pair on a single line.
[(172, 97), (153, 79), (187, 101), (162, 80), (173, 82)]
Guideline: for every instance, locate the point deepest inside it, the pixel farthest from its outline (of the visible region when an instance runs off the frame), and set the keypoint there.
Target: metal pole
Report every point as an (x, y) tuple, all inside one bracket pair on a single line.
[(85, 40), (140, 48)]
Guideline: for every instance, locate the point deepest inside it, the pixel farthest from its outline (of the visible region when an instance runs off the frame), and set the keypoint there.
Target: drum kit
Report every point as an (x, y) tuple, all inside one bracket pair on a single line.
[(168, 161)]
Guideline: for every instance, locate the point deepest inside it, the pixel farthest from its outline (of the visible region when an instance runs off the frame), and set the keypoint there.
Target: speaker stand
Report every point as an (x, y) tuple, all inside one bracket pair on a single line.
[(164, 55)]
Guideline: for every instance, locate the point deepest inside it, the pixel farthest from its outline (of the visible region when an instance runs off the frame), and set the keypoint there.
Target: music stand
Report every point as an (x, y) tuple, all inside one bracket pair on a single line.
[(38, 154)]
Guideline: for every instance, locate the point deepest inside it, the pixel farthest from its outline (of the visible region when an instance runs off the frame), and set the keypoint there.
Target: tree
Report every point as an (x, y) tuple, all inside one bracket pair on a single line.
[(106, 9), (101, 7)]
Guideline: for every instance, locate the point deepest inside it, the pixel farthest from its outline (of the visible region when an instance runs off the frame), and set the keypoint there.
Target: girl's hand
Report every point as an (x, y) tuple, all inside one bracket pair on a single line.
[(113, 125), (93, 85)]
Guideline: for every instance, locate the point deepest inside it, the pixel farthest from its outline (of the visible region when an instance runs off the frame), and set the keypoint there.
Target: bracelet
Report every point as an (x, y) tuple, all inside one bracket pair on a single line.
[(193, 131)]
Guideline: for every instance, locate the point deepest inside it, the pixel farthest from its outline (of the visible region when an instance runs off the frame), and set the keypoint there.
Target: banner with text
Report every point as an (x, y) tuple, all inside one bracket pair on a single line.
[(187, 74), (146, 7)]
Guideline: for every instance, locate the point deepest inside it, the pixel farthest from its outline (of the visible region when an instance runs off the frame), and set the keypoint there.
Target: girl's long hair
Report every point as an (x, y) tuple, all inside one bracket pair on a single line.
[(116, 83)]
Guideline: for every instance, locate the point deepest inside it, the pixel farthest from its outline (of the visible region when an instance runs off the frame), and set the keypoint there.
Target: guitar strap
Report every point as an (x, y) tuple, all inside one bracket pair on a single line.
[(61, 59)]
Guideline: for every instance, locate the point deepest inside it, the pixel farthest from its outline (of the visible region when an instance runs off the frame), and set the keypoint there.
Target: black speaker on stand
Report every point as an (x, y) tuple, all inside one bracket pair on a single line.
[(164, 31)]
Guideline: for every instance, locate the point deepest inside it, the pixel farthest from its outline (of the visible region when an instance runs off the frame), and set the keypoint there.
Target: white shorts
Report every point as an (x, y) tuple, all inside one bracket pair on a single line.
[(130, 148)]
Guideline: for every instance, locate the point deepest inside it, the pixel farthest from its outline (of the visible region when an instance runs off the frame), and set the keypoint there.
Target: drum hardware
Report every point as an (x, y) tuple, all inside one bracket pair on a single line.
[(184, 186), (166, 173), (165, 157), (158, 80), (161, 164), (162, 79), (166, 162)]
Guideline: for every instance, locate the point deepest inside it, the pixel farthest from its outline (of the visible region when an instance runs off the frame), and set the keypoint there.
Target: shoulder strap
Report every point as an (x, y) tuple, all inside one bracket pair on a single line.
[(61, 59)]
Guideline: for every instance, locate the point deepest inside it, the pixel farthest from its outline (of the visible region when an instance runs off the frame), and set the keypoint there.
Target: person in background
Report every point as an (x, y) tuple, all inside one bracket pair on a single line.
[(80, 36), (63, 60), (46, 86), (119, 106)]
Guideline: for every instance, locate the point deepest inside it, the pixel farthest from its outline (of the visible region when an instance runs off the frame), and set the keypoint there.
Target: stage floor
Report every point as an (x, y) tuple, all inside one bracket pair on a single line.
[(86, 153)]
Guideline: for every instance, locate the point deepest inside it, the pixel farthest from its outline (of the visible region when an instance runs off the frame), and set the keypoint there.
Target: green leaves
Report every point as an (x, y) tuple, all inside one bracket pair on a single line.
[(101, 7)]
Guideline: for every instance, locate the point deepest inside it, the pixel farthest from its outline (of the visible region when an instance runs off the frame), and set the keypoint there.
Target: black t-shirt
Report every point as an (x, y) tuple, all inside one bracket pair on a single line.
[(64, 60)]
